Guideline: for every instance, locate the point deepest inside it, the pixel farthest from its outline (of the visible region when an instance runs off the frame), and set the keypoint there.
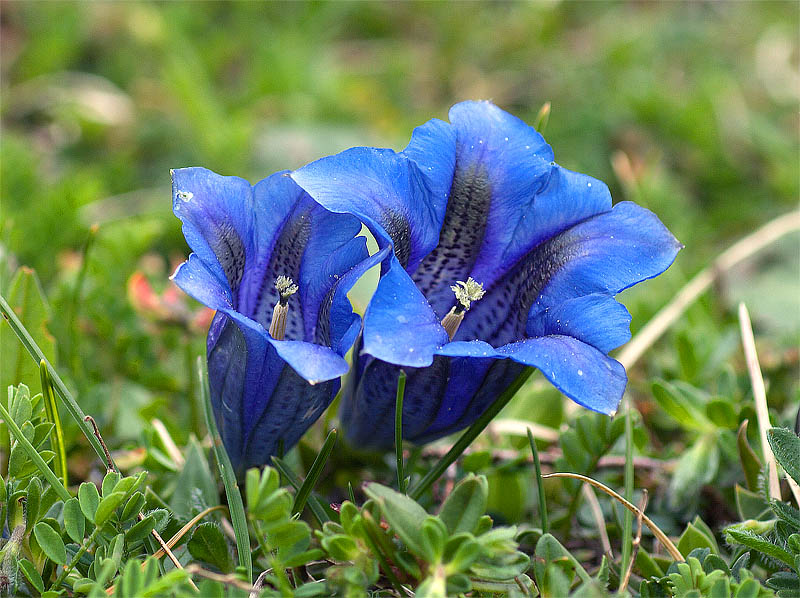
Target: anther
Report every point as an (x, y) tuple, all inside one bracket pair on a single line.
[(466, 293), (286, 288)]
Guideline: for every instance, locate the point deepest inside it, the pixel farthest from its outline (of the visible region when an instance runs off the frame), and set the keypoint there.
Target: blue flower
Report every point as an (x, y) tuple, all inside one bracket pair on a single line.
[(500, 259), (277, 267)]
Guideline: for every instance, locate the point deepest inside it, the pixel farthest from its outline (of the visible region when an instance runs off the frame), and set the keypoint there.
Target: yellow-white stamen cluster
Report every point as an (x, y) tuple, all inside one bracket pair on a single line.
[(466, 293), (286, 288)]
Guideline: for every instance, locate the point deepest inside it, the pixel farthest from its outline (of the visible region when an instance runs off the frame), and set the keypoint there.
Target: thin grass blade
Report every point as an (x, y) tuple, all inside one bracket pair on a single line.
[(57, 435), (398, 431), (313, 474), (627, 525), (34, 455), (539, 483), (467, 437), (58, 384), (235, 503), (313, 503)]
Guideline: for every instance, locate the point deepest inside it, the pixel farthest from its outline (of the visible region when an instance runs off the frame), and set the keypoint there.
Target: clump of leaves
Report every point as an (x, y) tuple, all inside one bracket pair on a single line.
[(775, 543), (450, 553)]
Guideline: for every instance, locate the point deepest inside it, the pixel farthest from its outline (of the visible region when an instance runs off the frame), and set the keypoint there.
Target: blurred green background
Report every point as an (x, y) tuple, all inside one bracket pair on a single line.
[(690, 109)]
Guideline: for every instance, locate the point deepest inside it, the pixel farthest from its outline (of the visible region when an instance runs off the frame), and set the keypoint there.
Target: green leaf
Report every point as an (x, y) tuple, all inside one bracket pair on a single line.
[(74, 520), (51, 543), (133, 507), (697, 467), (751, 540), (110, 480), (32, 575), (465, 505), (750, 505), (89, 499), (26, 298), (107, 507), (693, 538), (195, 475), (678, 406), (721, 413), (208, 545), (433, 535), (32, 502), (140, 529), (751, 465), (786, 512), (403, 514), (786, 446)]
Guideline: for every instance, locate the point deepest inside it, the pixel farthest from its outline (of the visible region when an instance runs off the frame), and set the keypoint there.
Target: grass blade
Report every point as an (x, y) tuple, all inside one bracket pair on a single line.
[(627, 525), (398, 430), (539, 482), (467, 437), (57, 435), (235, 504), (313, 503), (34, 455), (58, 384), (313, 474)]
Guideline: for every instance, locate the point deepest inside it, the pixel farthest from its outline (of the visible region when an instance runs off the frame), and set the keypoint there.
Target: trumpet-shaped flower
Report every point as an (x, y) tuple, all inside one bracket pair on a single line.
[(276, 266), (500, 259)]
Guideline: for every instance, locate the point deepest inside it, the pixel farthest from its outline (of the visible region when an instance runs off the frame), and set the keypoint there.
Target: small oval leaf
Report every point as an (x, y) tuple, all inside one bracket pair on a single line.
[(50, 543)]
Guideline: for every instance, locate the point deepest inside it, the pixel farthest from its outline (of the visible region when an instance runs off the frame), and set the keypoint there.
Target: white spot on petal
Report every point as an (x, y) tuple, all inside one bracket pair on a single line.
[(185, 195)]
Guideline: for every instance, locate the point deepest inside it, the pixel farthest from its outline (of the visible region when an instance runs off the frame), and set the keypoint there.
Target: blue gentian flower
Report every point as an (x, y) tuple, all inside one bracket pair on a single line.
[(500, 259), (277, 267)]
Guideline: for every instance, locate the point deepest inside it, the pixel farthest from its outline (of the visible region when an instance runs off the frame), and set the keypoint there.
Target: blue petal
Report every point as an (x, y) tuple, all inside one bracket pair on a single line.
[(507, 197), (315, 363), (216, 215), (399, 325), (603, 254), (596, 319), (196, 280), (298, 238), (609, 253), (400, 200), (580, 371)]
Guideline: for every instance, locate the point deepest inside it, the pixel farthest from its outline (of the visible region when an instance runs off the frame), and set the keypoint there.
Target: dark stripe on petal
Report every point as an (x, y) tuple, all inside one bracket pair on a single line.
[(285, 259), (460, 239), (500, 316), (399, 230)]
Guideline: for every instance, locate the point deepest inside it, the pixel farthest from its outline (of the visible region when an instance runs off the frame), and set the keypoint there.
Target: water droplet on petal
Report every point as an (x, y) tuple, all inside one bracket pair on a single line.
[(580, 372)]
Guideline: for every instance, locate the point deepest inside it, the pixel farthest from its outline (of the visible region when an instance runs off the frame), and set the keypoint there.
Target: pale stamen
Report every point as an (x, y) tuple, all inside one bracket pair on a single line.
[(286, 288), (466, 293)]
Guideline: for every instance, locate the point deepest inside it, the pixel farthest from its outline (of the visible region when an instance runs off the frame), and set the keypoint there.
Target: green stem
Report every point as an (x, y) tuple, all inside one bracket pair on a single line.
[(398, 430), (471, 434), (71, 565), (58, 384)]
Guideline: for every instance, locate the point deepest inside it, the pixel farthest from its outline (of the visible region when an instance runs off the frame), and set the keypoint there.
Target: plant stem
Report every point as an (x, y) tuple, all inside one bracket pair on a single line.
[(71, 565)]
